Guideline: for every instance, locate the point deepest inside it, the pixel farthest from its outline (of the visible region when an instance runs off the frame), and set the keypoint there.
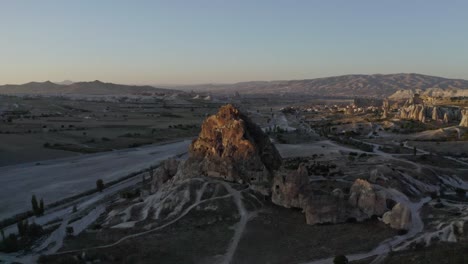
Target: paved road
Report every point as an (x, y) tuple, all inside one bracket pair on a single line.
[(55, 180)]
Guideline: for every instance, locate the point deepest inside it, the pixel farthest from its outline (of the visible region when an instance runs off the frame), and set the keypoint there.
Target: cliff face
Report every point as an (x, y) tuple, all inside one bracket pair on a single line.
[(422, 113), (230, 146)]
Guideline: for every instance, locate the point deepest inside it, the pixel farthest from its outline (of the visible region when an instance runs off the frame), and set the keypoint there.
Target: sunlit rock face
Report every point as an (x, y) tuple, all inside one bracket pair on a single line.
[(422, 110), (233, 148), (464, 120), (422, 113), (385, 108)]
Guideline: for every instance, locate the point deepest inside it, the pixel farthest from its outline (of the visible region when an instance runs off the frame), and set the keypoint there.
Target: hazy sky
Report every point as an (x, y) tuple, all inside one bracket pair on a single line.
[(198, 41)]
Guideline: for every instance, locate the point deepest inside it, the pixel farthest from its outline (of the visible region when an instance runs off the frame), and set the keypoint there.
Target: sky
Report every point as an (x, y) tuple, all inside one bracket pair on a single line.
[(208, 41)]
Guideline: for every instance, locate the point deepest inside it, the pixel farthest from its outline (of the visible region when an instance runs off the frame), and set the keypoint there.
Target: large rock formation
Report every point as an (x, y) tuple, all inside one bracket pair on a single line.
[(231, 147), (421, 112), (294, 190), (286, 189), (364, 197), (399, 217)]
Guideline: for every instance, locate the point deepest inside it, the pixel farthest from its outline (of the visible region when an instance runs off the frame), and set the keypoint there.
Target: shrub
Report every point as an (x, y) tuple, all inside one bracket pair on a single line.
[(100, 185), (41, 207), (341, 259), (70, 231), (34, 205), (460, 192), (10, 244)]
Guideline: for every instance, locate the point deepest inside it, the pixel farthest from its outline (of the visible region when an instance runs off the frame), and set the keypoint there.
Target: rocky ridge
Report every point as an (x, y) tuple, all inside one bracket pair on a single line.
[(231, 148), (415, 109)]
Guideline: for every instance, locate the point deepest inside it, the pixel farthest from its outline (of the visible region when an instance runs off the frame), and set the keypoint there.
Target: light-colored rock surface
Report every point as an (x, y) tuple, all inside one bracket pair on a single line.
[(464, 120), (364, 197), (399, 217), (385, 108)]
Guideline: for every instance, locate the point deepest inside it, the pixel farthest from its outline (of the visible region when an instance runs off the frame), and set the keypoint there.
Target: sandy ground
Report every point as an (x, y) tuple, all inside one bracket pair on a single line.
[(55, 180), (16, 149)]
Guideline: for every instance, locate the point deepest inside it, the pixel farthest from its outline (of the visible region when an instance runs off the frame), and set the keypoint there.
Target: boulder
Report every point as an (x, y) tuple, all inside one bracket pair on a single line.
[(364, 197), (399, 217)]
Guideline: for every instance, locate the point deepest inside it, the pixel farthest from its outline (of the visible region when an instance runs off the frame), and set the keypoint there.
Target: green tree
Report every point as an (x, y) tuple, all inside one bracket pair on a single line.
[(35, 206), (100, 185), (70, 231), (41, 207), (19, 225)]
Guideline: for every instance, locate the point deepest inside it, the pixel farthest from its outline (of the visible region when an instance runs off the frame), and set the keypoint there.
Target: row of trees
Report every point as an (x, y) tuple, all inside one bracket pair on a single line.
[(27, 234)]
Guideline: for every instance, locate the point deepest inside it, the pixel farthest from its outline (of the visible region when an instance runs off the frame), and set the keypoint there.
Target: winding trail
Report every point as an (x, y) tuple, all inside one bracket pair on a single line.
[(240, 227)]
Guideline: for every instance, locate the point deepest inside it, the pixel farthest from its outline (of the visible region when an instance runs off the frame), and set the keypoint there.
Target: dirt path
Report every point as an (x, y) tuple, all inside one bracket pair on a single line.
[(240, 227)]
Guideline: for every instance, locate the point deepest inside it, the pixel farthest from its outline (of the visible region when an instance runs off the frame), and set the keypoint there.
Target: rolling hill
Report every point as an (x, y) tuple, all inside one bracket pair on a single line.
[(376, 85), (80, 88)]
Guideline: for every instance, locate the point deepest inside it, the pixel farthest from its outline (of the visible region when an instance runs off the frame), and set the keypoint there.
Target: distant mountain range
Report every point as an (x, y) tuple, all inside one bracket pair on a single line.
[(79, 88), (376, 85)]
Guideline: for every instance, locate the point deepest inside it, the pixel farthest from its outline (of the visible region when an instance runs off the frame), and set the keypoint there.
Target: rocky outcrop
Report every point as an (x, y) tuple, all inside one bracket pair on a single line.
[(364, 197), (385, 108), (413, 112), (325, 208), (436, 113), (464, 119), (286, 189), (320, 206), (446, 118), (163, 173), (422, 113), (399, 217), (233, 148)]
